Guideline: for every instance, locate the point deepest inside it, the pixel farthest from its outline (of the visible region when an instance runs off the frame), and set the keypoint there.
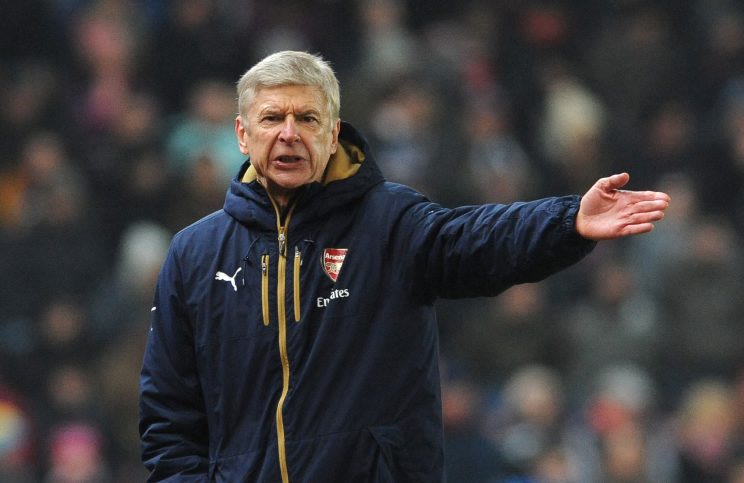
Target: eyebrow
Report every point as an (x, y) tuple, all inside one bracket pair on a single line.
[(310, 112), (302, 110)]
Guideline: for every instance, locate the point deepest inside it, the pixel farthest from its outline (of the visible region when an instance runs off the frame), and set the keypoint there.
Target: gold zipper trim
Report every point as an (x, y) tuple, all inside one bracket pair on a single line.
[(297, 265), (285, 368), (265, 288), (282, 320)]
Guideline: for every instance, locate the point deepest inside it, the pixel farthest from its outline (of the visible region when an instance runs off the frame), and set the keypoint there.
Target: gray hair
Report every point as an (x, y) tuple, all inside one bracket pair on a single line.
[(288, 68)]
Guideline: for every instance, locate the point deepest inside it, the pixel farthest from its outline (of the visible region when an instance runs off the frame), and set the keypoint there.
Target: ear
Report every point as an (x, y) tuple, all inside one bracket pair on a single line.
[(242, 135), (334, 134)]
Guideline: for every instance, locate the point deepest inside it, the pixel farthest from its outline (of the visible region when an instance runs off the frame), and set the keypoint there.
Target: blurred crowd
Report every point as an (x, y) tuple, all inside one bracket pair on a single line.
[(116, 132)]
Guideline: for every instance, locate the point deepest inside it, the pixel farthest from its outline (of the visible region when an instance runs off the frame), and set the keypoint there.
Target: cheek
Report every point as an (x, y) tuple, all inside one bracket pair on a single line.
[(261, 164), (258, 160), (258, 149), (323, 148)]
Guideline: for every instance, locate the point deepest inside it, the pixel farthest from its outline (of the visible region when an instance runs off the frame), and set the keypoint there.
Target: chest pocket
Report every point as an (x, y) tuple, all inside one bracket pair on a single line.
[(234, 306)]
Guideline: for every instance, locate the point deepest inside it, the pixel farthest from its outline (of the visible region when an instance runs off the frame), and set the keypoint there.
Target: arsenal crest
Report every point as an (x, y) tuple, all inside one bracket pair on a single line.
[(333, 258)]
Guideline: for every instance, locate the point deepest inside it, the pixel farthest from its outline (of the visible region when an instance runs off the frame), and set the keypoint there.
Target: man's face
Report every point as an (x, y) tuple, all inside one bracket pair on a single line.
[(289, 136)]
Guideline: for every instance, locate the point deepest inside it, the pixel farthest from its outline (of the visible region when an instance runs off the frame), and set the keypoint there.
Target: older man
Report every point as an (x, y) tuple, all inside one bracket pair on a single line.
[(293, 334)]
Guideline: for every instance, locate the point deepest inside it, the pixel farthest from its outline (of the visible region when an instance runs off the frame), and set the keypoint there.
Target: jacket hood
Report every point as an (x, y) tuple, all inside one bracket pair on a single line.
[(350, 173)]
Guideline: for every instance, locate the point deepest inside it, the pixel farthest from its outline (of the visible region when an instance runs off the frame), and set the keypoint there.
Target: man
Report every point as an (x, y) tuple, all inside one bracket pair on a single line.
[(293, 335)]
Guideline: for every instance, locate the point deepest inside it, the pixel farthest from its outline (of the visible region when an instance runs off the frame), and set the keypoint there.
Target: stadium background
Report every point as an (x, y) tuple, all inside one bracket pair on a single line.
[(116, 131)]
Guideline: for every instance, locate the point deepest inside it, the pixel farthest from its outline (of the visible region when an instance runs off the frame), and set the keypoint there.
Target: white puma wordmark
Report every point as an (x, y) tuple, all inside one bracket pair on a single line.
[(227, 278)]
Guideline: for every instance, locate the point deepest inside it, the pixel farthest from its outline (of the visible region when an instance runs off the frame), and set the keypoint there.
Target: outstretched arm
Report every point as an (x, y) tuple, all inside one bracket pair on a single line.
[(607, 211)]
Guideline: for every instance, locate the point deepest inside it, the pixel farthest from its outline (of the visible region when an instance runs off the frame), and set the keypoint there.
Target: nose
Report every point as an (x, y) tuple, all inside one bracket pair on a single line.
[(289, 134)]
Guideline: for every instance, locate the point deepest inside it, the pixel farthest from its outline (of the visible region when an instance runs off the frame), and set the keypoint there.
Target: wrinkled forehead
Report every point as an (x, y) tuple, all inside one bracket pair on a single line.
[(289, 96)]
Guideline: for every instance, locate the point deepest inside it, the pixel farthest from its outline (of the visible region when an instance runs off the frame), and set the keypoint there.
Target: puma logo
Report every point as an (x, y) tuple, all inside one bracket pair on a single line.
[(227, 278)]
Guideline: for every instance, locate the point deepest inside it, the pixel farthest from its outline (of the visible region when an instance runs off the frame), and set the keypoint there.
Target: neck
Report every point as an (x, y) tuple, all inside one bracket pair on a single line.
[(282, 201), (282, 197)]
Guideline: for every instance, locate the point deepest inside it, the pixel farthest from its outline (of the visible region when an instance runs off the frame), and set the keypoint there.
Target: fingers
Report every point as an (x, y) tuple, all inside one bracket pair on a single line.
[(617, 181), (652, 205), (645, 200), (645, 211), (658, 195), (650, 195), (637, 229), (645, 217)]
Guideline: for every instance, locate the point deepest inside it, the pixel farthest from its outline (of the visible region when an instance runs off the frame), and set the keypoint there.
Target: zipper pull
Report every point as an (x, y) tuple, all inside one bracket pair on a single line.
[(263, 265), (282, 242)]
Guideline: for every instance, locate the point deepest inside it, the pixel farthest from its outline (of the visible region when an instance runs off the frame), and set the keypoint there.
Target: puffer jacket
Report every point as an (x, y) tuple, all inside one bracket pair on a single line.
[(302, 345)]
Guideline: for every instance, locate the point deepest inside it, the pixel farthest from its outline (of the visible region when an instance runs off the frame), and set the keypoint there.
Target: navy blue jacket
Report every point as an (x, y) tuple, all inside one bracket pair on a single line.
[(302, 346)]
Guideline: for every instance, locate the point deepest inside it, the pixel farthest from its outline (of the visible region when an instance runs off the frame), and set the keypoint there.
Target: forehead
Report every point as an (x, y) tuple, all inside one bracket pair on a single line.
[(289, 97)]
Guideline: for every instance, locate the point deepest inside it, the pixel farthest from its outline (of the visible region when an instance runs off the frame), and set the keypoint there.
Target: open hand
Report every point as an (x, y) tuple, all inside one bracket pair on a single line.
[(607, 212)]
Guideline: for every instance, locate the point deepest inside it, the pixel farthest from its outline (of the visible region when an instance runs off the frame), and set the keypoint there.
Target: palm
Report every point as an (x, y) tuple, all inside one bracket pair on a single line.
[(607, 212)]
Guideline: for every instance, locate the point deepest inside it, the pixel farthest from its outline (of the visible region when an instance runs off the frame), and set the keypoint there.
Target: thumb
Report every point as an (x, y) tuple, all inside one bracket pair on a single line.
[(615, 182)]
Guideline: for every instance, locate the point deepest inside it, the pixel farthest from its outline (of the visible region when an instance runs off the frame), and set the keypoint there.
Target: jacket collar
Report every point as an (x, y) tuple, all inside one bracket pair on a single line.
[(350, 173)]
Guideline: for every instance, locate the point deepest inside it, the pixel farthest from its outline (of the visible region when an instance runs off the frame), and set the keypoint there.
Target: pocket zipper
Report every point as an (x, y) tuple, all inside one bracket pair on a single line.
[(265, 288)]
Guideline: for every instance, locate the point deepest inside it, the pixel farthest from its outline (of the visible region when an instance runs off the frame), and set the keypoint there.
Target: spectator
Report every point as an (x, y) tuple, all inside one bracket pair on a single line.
[(707, 437), (470, 456), (499, 336), (527, 427), (621, 438), (616, 324), (702, 308), (122, 301), (204, 133), (573, 125), (76, 455), (17, 439)]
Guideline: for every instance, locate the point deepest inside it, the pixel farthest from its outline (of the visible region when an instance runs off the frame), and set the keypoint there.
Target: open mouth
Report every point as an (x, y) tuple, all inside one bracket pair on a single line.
[(288, 159)]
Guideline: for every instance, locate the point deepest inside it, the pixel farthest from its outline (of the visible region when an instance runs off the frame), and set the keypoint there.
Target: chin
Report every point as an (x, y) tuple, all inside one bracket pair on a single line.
[(292, 180), (292, 184)]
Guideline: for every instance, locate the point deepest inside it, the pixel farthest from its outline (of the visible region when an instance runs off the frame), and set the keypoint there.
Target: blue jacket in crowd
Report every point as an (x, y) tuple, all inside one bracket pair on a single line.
[(302, 345)]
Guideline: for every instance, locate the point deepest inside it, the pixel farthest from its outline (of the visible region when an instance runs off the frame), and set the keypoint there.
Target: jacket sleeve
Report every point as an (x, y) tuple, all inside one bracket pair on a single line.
[(173, 422), (483, 250)]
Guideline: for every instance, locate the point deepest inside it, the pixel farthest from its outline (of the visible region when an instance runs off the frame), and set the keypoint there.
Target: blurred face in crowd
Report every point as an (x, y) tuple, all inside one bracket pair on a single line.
[(289, 135)]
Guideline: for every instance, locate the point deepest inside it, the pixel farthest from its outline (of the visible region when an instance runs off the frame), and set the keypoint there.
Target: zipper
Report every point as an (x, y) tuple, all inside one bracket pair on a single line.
[(296, 272), (282, 238), (282, 321), (265, 288)]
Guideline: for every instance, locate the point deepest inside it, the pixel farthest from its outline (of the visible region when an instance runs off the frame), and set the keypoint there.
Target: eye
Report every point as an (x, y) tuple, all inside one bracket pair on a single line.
[(309, 118), (271, 118)]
